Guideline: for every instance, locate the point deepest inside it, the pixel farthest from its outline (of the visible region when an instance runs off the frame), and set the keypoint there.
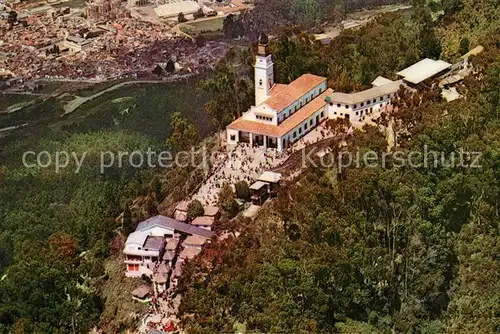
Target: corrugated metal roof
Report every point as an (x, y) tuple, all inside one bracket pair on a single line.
[(257, 185), (271, 177)]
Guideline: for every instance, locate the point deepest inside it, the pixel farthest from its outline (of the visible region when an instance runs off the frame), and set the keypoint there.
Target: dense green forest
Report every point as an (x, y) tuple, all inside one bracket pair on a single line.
[(369, 249)]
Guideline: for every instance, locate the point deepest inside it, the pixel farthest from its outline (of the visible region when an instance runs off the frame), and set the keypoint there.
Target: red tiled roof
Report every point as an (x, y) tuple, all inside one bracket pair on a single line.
[(287, 125), (292, 92)]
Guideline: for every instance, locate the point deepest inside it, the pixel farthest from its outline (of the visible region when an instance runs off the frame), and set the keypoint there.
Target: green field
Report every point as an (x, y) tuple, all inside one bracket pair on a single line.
[(197, 27)]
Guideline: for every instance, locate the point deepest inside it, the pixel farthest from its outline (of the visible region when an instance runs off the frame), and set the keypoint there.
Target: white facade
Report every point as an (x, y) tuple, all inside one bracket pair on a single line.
[(285, 113), (153, 238)]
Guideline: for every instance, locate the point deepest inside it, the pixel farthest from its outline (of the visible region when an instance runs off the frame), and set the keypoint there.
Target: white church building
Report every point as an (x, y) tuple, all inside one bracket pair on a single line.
[(285, 113)]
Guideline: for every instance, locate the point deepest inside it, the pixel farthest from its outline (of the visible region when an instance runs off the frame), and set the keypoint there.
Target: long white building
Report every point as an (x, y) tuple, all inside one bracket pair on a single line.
[(282, 113)]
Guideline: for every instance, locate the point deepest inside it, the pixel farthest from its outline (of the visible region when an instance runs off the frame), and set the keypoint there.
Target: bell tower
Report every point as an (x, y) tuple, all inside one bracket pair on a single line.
[(264, 74)]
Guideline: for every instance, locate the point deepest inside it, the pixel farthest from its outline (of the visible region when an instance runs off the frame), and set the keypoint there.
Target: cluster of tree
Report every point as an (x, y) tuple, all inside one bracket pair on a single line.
[(12, 17), (161, 70), (373, 249), (195, 209), (199, 14), (470, 19), (184, 133), (61, 234), (227, 200)]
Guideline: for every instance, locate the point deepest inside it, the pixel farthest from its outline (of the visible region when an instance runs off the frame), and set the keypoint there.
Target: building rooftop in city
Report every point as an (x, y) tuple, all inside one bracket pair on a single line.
[(365, 95), (174, 7), (287, 125), (293, 91), (424, 69)]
